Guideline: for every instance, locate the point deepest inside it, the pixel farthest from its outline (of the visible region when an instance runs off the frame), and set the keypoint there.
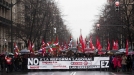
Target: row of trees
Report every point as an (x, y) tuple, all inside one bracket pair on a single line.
[(42, 20), (116, 25)]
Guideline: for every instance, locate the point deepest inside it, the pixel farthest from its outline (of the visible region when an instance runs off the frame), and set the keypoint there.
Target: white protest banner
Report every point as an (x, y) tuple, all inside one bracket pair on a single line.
[(68, 63)]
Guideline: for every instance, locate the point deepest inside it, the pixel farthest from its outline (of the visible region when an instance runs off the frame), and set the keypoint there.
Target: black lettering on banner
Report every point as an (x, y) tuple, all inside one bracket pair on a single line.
[(72, 67), (55, 59), (105, 63), (33, 61), (61, 59), (82, 59), (44, 59), (93, 66), (84, 67)]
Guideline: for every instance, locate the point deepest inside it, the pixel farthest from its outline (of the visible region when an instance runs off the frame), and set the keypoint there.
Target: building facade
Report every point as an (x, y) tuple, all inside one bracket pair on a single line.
[(5, 23)]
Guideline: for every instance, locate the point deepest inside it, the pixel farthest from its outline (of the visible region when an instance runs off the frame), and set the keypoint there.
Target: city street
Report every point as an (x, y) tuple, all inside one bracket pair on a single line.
[(66, 37), (67, 73)]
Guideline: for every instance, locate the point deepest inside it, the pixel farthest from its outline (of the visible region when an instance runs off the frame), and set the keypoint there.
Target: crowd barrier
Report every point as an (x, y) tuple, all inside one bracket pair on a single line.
[(68, 63)]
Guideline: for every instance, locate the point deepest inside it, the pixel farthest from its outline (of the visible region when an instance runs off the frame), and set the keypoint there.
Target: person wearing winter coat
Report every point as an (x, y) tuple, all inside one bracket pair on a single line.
[(123, 62), (118, 63), (115, 61)]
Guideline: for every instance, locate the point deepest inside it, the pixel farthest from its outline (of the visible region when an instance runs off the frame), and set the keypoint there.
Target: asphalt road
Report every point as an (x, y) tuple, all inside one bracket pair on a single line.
[(67, 73)]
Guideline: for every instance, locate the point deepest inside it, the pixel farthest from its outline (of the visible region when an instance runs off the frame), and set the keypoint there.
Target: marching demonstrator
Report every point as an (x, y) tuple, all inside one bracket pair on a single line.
[(8, 63)]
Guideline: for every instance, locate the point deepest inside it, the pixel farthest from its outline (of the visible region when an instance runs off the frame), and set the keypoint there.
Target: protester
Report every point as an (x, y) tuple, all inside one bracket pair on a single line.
[(119, 63), (129, 63), (124, 59), (133, 64), (8, 63), (115, 63), (111, 66)]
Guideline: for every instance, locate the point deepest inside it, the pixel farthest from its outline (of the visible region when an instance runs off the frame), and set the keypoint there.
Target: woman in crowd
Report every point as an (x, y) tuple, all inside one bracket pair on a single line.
[(123, 62)]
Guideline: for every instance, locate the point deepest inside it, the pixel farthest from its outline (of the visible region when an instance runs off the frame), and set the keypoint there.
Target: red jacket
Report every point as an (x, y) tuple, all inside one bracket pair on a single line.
[(115, 62), (8, 60)]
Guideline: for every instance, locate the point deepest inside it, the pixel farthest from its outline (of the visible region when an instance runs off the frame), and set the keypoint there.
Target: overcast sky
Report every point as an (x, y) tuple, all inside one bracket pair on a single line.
[(80, 14)]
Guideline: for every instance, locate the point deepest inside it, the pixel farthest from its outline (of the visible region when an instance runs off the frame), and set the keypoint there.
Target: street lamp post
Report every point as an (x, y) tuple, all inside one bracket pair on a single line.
[(98, 27), (11, 6), (11, 28)]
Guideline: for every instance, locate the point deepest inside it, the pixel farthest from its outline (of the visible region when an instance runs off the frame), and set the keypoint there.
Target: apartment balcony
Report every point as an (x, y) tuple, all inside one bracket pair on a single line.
[(5, 21), (5, 4)]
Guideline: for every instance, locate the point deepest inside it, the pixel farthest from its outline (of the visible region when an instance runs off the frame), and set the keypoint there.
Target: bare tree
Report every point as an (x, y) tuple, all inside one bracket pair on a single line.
[(35, 17), (112, 18), (40, 19)]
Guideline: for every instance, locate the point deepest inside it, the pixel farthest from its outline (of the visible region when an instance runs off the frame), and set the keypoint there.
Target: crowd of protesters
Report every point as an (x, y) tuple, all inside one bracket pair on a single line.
[(117, 63), (10, 63), (121, 63)]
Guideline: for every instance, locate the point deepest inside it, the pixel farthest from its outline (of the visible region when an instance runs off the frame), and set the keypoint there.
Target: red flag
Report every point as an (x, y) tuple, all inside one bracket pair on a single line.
[(60, 48), (43, 43), (29, 46), (79, 47), (16, 50), (99, 47), (108, 45), (98, 44), (115, 45), (91, 44), (43, 51), (85, 42), (126, 47), (81, 39), (32, 48), (43, 47), (82, 42)]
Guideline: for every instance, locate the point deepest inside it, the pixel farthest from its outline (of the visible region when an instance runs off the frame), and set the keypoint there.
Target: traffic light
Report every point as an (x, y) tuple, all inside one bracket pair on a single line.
[(98, 26), (117, 3)]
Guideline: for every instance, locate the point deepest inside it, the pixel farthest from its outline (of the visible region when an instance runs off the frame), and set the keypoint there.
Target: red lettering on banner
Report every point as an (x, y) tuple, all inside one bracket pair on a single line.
[(48, 62), (34, 67), (76, 63)]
